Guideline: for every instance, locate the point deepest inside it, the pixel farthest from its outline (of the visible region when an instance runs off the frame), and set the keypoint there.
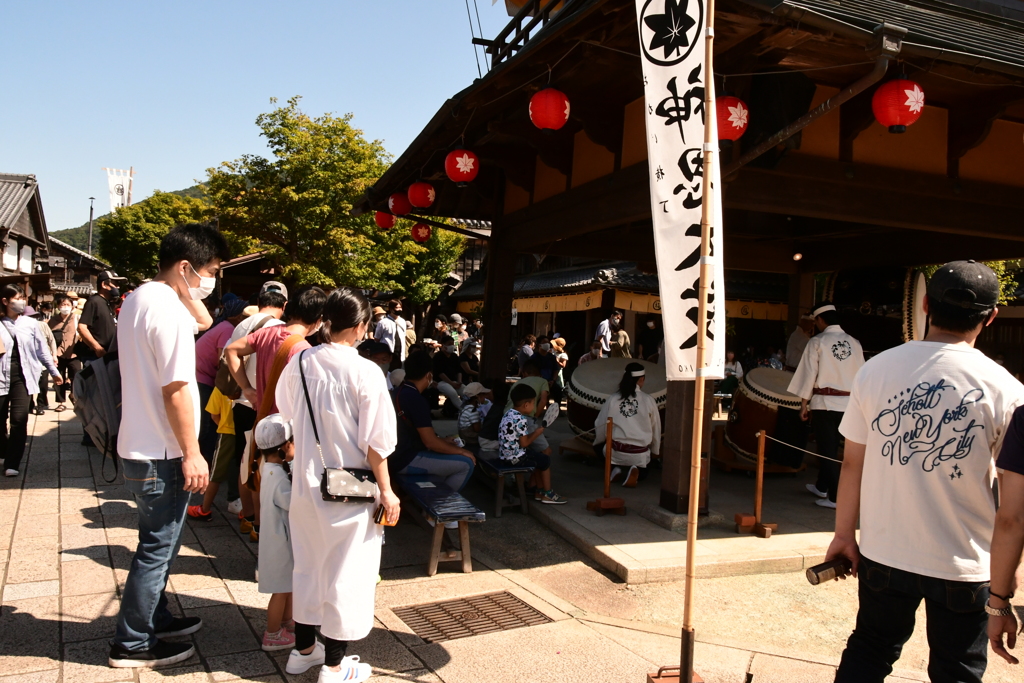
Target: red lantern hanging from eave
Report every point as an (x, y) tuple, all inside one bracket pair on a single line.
[(733, 117), (384, 221), (421, 232), (421, 194), (462, 166), (399, 204), (898, 104), (549, 109)]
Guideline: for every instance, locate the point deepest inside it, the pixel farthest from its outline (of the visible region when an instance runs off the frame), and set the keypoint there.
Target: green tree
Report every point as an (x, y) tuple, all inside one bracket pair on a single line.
[(1006, 271)]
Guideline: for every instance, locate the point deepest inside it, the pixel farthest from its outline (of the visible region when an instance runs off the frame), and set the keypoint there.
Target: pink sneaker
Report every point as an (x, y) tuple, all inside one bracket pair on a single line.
[(282, 640), (288, 626)]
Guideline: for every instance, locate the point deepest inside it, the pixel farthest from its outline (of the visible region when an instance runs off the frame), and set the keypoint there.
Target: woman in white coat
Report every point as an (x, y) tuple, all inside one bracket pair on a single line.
[(636, 427), (336, 545)]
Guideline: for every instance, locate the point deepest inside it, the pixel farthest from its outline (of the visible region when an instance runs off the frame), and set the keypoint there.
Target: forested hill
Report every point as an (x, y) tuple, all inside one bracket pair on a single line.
[(79, 237)]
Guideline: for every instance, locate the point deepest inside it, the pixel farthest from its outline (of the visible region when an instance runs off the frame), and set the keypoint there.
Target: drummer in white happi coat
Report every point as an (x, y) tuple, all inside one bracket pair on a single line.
[(636, 427), (336, 545), (823, 381)]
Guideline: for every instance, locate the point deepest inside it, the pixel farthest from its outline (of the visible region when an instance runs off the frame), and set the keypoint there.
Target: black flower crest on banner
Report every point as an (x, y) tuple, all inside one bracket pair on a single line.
[(675, 31)]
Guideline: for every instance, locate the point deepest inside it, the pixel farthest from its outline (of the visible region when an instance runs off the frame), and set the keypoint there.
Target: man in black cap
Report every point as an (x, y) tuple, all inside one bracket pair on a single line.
[(922, 427), (97, 326)]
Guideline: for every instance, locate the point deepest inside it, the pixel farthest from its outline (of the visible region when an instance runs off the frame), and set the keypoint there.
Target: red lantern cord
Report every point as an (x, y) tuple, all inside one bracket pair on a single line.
[(399, 204), (462, 166), (733, 117), (898, 104), (421, 232), (549, 109), (421, 195), (384, 221)]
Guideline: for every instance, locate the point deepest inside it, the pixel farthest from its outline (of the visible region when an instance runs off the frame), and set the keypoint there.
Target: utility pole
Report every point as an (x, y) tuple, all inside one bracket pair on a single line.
[(91, 200)]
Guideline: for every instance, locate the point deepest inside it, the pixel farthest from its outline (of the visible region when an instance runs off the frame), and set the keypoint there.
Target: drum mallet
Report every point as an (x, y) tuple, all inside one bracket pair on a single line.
[(746, 524), (607, 504)]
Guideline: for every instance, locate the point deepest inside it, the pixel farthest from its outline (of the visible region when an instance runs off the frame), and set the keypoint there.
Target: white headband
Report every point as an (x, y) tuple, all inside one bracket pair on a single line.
[(824, 309), (638, 373)]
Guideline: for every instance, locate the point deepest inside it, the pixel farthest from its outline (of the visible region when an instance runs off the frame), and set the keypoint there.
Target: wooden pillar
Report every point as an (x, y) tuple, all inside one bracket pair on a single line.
[(793, 312), (497, 315), (676, 443)]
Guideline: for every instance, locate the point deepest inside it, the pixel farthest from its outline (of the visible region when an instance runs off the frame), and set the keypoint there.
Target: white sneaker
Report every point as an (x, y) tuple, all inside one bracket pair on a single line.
[(299, 663), (825, 503), (351, 671), (11, 473), (235, 506), (814, 489)]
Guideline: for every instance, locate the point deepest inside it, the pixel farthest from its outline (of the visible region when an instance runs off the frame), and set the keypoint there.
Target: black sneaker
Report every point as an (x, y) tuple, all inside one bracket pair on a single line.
[(161, 654), (180, 626)]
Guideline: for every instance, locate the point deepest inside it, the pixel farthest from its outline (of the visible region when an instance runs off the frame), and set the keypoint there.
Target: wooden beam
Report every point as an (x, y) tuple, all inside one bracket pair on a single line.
[(902, 248), (970, 123), (554, 148), (855, 117)]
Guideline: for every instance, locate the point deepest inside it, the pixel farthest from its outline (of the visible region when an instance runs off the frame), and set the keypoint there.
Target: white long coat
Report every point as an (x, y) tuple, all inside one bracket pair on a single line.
[(336, 545)]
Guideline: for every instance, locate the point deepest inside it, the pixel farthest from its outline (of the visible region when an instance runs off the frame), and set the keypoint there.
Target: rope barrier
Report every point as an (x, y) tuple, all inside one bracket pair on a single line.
[(817, 455)]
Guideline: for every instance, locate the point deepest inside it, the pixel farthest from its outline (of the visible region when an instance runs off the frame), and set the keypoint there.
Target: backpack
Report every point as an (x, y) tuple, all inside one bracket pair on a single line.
[(97, 391)]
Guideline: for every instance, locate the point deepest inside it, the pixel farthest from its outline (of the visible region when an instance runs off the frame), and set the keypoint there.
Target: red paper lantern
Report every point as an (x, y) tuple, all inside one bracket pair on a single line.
[(421, 232), (421, 195), (384, 220), (897, 104), (549, 109), (462, 166), (399, 204), (733, 117)]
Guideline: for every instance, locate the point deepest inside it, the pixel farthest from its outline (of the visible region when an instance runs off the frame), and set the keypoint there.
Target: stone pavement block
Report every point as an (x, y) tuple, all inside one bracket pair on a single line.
[(771, 668), (85, 578), (117, 507), (246, 665), (30, 526), (87, 617), (191, 674), (224, 631), (24, 591), (77, 469), (8, 507), (247, 594), (93, 552), (6, 534), (419, 676), (33, 546), (87, 661), (50, 676), (30, 635), (234, 564), (77, 536), (72, 484), (382, 650), (206, 597), (118, 526), (190, 573), (43, 567)]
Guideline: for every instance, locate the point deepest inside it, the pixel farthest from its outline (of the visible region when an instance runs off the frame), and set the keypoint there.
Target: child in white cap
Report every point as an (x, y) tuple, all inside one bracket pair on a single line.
[(275, 441)]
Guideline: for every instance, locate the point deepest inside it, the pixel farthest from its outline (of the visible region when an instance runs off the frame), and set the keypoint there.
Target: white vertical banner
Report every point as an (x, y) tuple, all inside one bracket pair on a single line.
[(672, 51), (120, 185)]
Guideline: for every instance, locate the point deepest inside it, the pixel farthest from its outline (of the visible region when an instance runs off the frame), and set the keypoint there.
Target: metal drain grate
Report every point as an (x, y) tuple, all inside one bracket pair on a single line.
[(465, 617)]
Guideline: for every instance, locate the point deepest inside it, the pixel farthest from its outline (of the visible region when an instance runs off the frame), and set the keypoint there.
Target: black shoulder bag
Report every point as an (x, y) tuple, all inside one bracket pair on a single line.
[(339, 484)]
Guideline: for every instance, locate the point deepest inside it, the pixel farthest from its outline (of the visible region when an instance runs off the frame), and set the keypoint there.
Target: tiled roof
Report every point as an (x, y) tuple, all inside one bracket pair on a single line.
[(606, 275), (75, 250), (15, 192)]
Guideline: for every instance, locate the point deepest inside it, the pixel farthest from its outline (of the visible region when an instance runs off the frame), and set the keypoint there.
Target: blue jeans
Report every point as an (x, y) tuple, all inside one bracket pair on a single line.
[(157, 486), (454, 469), (889, 598)]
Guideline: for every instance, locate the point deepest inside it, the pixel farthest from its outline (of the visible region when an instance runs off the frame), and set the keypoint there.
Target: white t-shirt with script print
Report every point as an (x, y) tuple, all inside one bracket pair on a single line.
[(932, 417)]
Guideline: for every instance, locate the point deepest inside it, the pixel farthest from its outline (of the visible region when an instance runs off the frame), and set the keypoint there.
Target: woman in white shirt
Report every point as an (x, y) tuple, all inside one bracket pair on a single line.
[(336, 545), (636, 427)]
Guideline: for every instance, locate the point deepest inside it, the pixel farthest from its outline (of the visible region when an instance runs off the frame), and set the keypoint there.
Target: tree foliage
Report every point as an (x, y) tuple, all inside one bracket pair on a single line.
[(296, 206), (1006, 271)]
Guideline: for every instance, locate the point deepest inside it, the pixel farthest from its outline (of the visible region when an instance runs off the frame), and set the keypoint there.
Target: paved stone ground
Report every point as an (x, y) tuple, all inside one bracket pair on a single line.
[(67, 537)]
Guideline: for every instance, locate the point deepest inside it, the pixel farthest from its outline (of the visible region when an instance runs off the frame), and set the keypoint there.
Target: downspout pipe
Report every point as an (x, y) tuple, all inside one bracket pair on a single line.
[(889, 40)]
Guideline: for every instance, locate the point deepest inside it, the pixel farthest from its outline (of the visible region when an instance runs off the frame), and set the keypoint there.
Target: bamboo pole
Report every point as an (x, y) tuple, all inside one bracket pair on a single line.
[(688, 636)]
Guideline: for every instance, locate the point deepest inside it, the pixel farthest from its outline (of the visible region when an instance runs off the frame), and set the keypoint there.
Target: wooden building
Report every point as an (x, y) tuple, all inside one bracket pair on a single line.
[(23, 236), (73, 270), (816, 185)]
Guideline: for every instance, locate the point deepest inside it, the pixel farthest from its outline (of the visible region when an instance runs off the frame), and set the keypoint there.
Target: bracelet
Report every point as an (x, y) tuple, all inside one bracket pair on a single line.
[(998, 611), (1005, 598)]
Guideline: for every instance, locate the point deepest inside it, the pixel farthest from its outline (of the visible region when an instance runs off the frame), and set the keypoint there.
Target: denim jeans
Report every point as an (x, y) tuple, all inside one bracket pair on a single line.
[(157, 486), (889, 598), (455, 469)]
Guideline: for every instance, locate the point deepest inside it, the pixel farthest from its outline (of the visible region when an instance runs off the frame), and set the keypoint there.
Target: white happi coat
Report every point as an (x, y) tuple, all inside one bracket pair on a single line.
[(635, 421), (831, 360), (336, 545)]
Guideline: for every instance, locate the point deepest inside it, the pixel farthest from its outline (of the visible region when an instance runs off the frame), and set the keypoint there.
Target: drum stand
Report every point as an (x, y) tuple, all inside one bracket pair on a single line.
[(746, 524), (602, 506)]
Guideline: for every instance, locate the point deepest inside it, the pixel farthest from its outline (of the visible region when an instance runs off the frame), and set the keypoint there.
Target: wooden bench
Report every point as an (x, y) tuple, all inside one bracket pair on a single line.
[(495, 469), (441, 504)]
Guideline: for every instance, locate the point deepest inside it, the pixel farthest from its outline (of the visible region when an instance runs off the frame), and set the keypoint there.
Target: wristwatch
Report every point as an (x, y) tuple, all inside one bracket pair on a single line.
[(998, 611)]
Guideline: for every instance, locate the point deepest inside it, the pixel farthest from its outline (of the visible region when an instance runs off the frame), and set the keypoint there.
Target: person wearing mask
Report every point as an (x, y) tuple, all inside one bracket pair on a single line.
[(158, 441), (604, 332), (448, 374), (338, 405), (26, 353), (525, 351), (97, 325), (476, 330), (40, 402), (595, 353), (378, 315), (620, 345), (458, 330), (64, 327), (650, 339), (391, 331), (209, 348), (379, 354), (469, 361)]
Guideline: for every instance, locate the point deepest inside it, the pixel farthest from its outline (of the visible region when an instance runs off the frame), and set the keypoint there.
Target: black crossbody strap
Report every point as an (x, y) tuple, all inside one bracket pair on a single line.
[(309, 407)]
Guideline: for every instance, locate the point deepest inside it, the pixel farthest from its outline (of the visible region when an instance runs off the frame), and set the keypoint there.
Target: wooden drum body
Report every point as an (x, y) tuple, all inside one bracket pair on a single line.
[(755, 407), (592, 383)]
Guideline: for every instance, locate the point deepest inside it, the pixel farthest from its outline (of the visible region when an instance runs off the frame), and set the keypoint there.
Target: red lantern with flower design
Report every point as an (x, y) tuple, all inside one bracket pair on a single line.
[(421, 195), (421, 232), (462, 166), (733, 117), (384, 221), (399, 204), (898, 104), (549, 109)]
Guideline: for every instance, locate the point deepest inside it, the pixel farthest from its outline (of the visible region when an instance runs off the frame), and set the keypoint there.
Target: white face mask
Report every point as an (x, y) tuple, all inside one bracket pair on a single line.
[(545, 347), (18, 306), (449, 349), (651, 324), (438, 324), (65, 310), (205, 288), (384, 367)]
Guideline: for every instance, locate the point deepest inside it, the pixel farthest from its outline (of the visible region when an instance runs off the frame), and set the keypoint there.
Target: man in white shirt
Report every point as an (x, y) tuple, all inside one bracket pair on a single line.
[(159, 436), (798, 342), (604, 332), (924, 422), (822, 381), (391, 331)]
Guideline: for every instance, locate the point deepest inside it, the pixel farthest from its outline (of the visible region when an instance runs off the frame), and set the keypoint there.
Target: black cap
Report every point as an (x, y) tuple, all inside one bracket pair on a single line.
[(109, 275), (967, 284)]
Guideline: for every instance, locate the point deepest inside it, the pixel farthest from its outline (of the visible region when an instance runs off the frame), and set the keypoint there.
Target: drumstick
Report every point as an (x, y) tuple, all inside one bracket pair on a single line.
[(608, 461)]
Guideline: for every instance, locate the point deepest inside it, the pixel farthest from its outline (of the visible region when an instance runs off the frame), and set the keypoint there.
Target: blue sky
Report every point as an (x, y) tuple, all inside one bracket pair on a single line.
[(173, 88)]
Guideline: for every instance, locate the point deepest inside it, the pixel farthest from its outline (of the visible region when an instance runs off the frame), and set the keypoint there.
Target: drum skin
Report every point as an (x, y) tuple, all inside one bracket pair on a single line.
[(592, 383), (755, 407)]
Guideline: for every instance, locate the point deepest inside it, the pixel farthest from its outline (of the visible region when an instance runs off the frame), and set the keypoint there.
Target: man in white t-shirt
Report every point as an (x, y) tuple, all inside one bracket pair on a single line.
[(922, 427), (159, 436), (391, 331), (604, 332)]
